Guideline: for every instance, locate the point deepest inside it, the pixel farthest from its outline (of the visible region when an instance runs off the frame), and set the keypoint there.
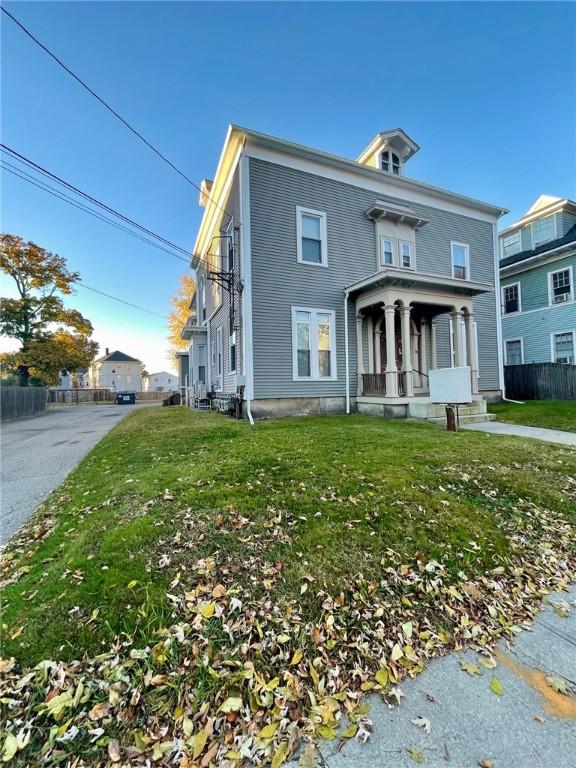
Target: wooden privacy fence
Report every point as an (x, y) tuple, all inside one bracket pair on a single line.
[(540, 381), (21, 402), (76, 396)]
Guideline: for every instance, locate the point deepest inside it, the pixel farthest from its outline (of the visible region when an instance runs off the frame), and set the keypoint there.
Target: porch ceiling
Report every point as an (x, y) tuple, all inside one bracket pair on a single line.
[(392, 277), (192, 330)]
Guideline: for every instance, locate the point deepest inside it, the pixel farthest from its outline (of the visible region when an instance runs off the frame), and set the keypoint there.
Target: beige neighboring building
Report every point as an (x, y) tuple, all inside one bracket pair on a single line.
[(163, 381), (116, 371)]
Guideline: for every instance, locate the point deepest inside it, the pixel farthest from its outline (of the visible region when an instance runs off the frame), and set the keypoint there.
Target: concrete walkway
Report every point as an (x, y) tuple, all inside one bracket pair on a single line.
[(518, 430), (38, 453), (529, 725)]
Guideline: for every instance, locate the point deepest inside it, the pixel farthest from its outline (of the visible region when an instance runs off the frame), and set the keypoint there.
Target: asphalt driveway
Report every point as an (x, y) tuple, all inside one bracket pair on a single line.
[(38, 454)]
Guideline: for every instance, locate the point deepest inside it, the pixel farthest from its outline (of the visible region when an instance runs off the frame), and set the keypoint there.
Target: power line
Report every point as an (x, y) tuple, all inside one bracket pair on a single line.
[(66, 199), (45, 172), (122, 301), (111, 109)]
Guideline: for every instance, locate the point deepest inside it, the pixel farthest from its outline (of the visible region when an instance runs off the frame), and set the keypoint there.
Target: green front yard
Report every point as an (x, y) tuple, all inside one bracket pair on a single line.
[(230, 589), (550, 414)]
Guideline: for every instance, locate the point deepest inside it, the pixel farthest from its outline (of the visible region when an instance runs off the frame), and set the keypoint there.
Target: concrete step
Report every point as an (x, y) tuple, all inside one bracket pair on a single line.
[(418, 410), (473, 418)]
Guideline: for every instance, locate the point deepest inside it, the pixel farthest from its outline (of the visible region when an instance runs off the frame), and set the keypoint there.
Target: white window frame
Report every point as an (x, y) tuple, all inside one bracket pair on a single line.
[(518, 233), (506, 341), (516, 312), (411, 251), (392, 241), (314, 374), (453, 244), (553, 335), (232, 343), (390, 162), (551, 301), (219, 356), (536, 243), (300, 211)]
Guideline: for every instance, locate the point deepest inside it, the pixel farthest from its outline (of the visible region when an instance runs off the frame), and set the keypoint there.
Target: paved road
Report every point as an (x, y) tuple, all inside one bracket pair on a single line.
[(517, 430), (38, 453), (528, 726)]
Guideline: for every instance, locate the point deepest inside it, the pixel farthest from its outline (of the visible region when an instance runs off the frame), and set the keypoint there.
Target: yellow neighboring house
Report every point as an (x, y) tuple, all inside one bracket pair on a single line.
[(117, 371)]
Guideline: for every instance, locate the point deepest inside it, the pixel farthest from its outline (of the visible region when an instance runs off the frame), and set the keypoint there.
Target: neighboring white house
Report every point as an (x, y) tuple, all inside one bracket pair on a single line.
[(116, 371), (163, 381)]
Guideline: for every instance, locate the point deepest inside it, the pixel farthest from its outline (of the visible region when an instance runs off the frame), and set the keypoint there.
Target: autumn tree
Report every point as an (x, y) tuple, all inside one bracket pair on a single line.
[(180, 312), (53, 339)]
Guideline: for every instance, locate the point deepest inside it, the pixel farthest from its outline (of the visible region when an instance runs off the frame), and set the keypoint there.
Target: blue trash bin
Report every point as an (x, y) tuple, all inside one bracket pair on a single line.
[(126, 398)]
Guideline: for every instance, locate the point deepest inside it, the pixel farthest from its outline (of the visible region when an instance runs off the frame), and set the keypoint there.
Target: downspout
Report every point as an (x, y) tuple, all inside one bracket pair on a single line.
[(346, 351), (246, 277), (499, 336)]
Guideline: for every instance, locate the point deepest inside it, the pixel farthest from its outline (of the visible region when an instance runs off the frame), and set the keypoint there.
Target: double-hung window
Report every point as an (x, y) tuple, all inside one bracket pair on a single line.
[(219, 358), (232, 352), (560, 286), (563, 347), (230, 246), (543, 230), (460, 261), (511, 244), (313, 344), (311, 236), (405, 255), (387, 251), (514, 352), (511, 298), (202, 292)]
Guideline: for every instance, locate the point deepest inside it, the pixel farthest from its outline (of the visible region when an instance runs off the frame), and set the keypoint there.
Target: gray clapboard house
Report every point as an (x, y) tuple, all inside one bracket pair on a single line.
[(326, 284)]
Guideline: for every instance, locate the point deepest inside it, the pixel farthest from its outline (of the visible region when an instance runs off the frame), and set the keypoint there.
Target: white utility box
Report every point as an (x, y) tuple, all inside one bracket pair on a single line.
[(450, 385)]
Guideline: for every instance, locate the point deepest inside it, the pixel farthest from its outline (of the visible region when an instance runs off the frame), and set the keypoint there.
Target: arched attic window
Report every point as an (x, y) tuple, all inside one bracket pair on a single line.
[(389, 161)]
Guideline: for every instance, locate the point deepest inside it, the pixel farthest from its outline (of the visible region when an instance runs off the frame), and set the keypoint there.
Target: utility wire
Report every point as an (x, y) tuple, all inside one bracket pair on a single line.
[(111, 110), (40, 169), (70, 201), (122, 301)]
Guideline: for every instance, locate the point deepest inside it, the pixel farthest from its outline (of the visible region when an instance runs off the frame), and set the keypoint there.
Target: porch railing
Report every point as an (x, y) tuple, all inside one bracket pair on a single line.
[(373, 383)]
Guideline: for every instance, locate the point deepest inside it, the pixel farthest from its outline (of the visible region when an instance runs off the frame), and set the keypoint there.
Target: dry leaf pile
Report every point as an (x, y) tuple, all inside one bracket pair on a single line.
[(246, 671)]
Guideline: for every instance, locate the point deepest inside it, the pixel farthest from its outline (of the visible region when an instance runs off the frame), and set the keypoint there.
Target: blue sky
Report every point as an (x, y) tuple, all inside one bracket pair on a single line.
[(486, 89)]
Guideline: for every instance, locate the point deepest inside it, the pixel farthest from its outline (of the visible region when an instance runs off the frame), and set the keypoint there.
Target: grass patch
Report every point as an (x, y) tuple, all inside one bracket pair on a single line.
[(194, 562), (550, 414)]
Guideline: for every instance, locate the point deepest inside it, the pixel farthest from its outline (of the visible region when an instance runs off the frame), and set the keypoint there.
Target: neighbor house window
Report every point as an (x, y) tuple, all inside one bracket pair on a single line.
[(460, 260), (387, 251), (313, 343), (311, 236), (514, 352), (390, 162), (406, 255), (511, 244), (202, 292), (563, 347), (511, 298), (543, 230), (230, 245), (560, 286)]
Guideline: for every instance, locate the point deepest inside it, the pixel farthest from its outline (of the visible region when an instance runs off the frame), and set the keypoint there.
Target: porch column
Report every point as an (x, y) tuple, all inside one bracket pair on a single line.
[(391, 370), (370, 333), (407, 350), (457, 337), (433, 344), (360, 351), (423, 355), (471, 349)]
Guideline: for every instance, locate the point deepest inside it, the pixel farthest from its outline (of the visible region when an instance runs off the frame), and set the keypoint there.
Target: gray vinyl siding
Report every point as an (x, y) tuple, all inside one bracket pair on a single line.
[(280, 282), (221, 316)]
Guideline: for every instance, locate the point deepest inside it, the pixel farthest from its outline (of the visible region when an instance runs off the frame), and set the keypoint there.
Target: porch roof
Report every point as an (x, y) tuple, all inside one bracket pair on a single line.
[(192, 329), (394, 277)]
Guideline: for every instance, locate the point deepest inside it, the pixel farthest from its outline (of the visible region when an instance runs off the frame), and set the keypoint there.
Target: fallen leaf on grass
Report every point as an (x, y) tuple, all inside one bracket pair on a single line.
[(415, 754), (114, 750), (496, 686), (422, 722)]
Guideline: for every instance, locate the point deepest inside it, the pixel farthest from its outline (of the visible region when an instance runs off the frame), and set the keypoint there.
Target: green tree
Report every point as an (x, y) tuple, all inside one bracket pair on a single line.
[(53, 339)]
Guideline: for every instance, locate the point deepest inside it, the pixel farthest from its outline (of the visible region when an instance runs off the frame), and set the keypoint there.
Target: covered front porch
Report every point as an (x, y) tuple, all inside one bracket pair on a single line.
[(408, 324)]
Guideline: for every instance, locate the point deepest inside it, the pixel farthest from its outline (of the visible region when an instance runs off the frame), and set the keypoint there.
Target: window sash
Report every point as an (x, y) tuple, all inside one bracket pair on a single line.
[(219, 359), (311, 237), (561, 286), (512, 244), (406, 255), (386, 251), (514, 352), (460, 260), (511, 296), (564, 347), (313, 341)]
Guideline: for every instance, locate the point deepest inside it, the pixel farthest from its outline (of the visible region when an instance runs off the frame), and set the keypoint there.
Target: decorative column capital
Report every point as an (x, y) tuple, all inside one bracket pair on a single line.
[(359, 318), (405, 309), (389, 309)]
